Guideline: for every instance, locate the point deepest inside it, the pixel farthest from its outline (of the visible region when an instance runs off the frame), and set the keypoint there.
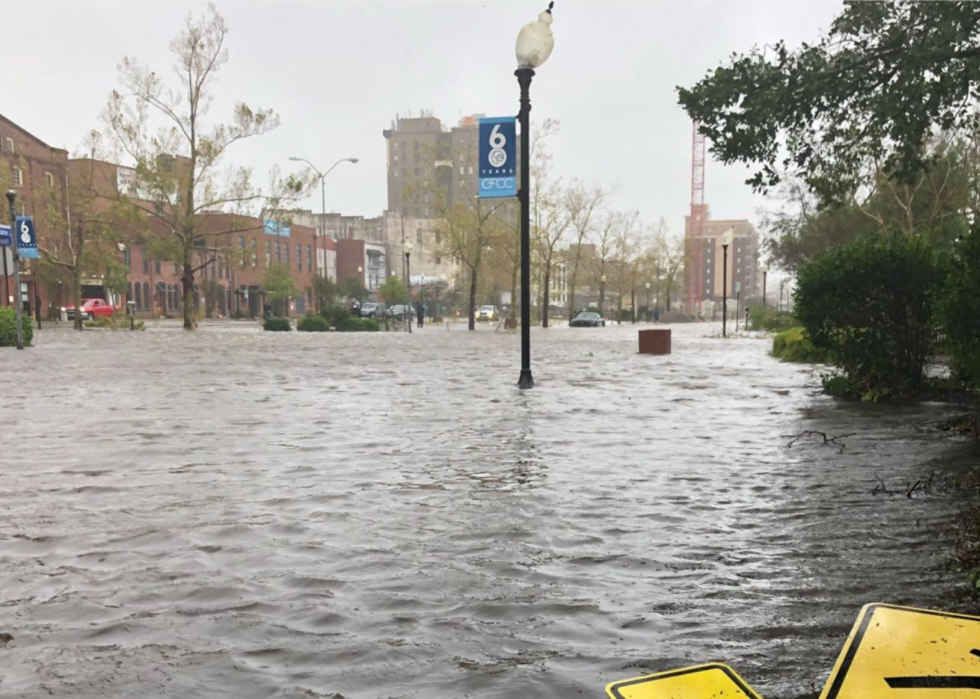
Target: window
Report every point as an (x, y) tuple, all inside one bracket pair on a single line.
[(395, 145), (176, 269), (438, 259), (396, 158), (278, 252), (268, 253), (18, 176), (285, 253), (49, 179), (146, 261), (462, 170), (255, 252), (309, 258), (221, 267), (228, 271), (438, 238), (156, 266), (396, 172), (139, 296), (129, 294), (128, 261), (471, 169), (147, 300), (299, 257), (241, 249), (9, 144)]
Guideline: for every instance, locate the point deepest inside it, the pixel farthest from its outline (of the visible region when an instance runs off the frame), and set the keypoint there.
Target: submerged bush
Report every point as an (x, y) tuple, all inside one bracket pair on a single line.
[(313, 323), (277, 324), (8, 328), (793, 345)]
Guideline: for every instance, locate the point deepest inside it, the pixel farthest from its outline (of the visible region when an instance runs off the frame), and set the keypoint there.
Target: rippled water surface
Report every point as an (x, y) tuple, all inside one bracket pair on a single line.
[(240, 514)]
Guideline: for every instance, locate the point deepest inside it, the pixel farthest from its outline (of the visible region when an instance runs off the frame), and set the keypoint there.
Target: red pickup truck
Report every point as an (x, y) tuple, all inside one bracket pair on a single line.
[(91, 308)]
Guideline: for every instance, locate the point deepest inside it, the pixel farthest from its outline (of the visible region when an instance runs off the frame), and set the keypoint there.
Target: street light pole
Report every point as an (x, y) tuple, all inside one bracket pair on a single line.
[(18, 305), (408, 284), (648, 302), (765, 271), (534, 44), (726, 241), (323, 209)]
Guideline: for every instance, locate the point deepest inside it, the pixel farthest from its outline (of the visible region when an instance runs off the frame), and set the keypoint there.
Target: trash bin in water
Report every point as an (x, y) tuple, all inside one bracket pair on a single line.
[(655, 342)]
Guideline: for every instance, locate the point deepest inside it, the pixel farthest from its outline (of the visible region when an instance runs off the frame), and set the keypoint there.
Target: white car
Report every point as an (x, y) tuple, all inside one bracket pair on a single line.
[(486, 314)]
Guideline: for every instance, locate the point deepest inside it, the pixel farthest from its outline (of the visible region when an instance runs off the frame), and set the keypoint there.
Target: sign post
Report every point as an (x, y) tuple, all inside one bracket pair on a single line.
[(6, 240), (18, 304)]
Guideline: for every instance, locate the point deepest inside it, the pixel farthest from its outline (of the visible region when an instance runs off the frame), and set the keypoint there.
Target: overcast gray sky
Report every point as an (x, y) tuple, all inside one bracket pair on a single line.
[(339, 72)]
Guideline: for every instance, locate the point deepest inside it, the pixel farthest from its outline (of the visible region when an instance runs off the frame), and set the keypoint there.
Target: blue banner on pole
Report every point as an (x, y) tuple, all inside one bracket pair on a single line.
[(6, 237), (498, 157), (26, 239)]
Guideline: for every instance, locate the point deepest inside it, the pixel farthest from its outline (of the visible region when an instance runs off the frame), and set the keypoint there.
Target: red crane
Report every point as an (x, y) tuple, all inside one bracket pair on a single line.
[(695, 278)]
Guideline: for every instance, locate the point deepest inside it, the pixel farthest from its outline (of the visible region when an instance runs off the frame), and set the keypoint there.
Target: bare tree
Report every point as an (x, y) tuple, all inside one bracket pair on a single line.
[(581, 204), (178, 181)]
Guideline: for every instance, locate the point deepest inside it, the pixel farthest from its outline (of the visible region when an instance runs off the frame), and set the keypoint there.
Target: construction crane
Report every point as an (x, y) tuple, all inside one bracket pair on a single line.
[(695, 277)]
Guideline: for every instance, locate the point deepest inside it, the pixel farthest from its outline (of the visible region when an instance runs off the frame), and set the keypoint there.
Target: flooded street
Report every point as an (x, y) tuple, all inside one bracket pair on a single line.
[(243, 514)]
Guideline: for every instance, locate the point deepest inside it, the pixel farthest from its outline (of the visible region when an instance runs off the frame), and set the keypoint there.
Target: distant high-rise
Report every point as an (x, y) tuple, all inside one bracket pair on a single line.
[(431, 166), (743, 259)]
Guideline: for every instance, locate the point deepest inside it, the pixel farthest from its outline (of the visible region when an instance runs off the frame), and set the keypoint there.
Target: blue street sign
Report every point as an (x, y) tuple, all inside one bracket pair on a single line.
[(498, 157), (5, 236), (26, 239)]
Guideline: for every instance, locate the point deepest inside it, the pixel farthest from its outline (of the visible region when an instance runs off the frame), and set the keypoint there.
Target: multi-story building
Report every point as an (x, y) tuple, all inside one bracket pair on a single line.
[(431, 167), (37, 173), (743, 259)]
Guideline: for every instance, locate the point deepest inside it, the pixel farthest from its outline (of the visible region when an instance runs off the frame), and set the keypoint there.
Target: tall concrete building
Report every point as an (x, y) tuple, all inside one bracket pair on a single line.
[(743, 259), (430, 165)]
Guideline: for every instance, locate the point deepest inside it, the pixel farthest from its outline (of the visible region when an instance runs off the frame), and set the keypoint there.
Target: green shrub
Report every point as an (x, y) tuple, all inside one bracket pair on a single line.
[(793, 345), (361, 325), (277, 324), (8, 328), (313, 323), (336, 316), (114, 322), (959, 309), (869, 305), (769, 319)]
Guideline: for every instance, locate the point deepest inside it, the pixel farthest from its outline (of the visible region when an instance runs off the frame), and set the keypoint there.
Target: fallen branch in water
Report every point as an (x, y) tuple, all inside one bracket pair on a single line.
[(827, 441)]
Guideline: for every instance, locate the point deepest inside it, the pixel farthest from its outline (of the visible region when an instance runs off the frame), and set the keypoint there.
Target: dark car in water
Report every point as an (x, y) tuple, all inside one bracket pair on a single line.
[(587, 319)]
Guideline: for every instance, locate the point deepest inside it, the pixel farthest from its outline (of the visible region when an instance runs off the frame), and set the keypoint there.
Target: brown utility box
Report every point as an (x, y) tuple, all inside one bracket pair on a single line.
[(655, 342)]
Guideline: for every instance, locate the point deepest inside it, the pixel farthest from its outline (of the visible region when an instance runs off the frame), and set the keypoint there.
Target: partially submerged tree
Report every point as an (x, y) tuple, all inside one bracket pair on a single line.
[(279, 287), (178, 180), (581, 204)]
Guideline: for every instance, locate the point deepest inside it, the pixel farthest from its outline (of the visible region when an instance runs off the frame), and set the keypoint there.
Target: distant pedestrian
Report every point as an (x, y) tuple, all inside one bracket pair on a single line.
[(421, 314)]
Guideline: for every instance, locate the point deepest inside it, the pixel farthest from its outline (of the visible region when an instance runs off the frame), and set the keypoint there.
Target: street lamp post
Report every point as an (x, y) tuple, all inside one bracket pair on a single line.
[(765, 271), (725, 242), (408, 283), (534, 44), (323, 206), (648, 301), (18, 305)]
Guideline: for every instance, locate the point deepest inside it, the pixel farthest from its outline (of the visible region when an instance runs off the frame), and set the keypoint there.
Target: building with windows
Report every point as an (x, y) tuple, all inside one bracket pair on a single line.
[(37, 173), (743, 260)]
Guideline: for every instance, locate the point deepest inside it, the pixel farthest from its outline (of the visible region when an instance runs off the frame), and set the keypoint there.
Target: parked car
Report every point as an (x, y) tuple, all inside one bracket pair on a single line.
[(587, 319), (486, 314), (399, 311), (91, 308), (369, 310)]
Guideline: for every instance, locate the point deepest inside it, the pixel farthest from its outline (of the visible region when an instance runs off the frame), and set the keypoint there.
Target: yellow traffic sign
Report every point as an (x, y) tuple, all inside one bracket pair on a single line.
[(713, 681), (903, 653)]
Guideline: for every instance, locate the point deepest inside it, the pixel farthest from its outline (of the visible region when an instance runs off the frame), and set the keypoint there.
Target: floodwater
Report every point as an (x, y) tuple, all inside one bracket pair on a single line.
[(243, 514)]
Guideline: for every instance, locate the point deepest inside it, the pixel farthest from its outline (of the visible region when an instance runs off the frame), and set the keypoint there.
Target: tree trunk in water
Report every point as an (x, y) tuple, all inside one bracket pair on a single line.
[(190, 310), (545, 296), (76, 282), (472, 320), (668, 299)]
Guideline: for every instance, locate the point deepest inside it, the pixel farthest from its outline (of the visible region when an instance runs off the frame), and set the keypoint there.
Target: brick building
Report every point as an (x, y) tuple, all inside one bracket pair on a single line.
[(743, 260), (37, 173)]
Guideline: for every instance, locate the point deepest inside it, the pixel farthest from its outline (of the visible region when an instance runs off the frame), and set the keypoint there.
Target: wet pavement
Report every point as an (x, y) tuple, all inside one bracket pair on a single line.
[(243, 514)]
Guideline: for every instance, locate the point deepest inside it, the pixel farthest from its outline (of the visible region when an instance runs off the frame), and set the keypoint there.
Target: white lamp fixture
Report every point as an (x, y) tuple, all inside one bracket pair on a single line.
[(728, 237), (535, 41), (764, 268)]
